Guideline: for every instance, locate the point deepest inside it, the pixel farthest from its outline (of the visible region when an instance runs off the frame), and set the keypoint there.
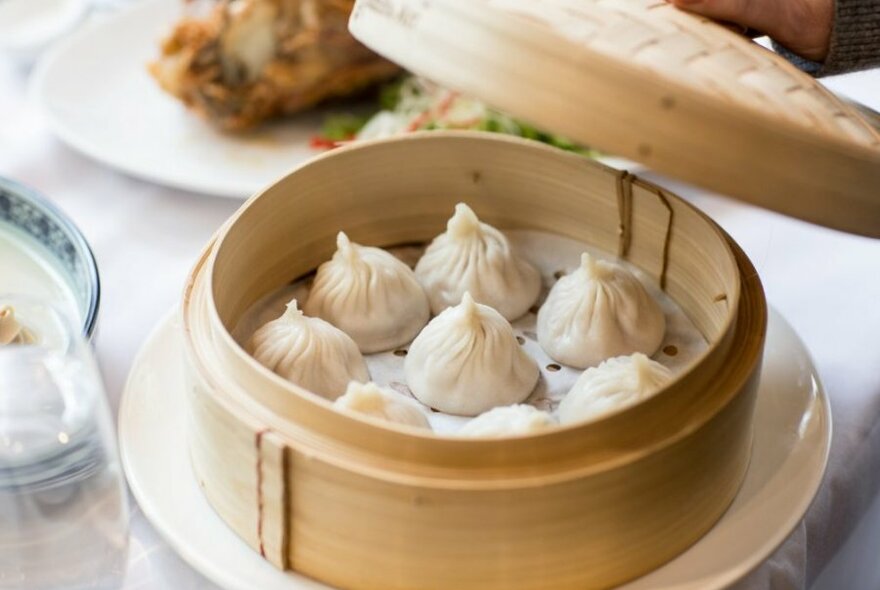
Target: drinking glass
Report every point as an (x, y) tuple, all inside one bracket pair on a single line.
[(63, 506)]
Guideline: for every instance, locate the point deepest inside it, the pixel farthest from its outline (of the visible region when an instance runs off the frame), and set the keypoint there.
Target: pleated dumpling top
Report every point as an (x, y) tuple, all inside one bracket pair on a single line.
[(475, 257), (309, 352), (467, 361), (616, 384), (370, 295), (597, 312)]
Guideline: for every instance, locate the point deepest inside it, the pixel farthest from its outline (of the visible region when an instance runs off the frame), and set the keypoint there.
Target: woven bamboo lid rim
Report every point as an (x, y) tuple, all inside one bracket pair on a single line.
[(697, 52), (668, 99)]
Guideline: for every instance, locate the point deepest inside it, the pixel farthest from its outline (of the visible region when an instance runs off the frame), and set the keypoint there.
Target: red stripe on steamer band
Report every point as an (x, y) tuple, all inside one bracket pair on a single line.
[(258, 440)]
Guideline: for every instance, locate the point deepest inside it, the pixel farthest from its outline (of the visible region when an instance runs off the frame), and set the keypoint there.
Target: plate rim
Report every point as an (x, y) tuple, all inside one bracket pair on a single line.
[(38, 94), (164, 328)]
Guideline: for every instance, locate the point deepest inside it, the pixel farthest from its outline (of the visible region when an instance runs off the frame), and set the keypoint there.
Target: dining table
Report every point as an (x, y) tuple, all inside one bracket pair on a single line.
[(824, 282)]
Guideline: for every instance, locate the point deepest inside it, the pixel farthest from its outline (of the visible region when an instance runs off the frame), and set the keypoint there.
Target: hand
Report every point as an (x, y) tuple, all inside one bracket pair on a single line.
[(802, 26)]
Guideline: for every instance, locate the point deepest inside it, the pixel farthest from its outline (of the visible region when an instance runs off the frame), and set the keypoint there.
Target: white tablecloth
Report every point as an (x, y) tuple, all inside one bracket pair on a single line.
[(826, 283)]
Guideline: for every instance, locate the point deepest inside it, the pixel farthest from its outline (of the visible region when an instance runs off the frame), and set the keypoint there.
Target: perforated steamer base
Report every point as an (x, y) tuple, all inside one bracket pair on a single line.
[(553, 255)]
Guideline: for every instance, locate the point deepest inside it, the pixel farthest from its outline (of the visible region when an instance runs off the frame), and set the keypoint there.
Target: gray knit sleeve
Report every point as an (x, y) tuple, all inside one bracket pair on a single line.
[(855, 40)]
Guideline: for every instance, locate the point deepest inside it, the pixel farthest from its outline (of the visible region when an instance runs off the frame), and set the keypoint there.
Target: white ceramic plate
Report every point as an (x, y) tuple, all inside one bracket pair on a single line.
[(98, 98), (792, 436)]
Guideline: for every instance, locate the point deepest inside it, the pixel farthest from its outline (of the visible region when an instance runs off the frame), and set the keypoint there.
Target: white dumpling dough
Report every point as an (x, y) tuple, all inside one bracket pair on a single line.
[(383, 403), (475, 257), (599, 311), (370, 295), (514, 420), (617, 383), (309, 352), (467, 361)]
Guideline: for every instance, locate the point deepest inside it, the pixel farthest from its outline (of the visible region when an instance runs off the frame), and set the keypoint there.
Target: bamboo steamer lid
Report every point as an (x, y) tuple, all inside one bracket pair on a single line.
[(644, 80)]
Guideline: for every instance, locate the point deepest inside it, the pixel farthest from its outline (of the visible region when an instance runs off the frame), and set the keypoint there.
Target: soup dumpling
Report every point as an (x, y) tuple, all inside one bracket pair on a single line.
[(309, 352), (514, 420), (467, 361), (475, 257), (615, 384), (370, 295), (599, 311), (383, 403)]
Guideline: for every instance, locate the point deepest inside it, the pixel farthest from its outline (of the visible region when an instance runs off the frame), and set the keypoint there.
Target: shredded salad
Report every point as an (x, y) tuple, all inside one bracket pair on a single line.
[(414, 104)]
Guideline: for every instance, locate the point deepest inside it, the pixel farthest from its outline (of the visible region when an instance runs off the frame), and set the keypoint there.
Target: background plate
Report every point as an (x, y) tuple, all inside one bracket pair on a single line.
[(792, 437), (98, 98)]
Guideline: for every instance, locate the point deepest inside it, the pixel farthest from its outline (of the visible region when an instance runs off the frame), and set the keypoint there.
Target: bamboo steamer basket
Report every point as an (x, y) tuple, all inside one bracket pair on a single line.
[(360, 504), (331, 495)]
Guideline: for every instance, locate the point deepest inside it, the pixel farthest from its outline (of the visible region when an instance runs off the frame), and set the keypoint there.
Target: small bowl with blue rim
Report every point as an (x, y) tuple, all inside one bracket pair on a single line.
[(30, 221)]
